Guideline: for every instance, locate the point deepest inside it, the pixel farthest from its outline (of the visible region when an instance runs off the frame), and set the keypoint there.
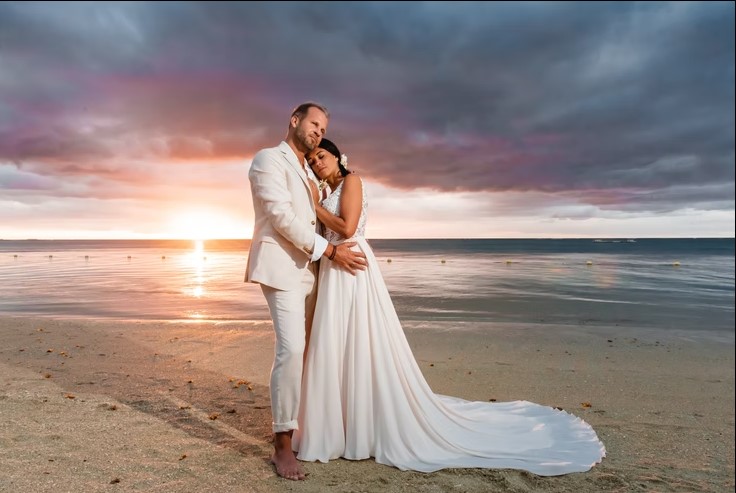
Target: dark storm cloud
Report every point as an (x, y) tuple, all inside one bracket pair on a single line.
[(569, 98)]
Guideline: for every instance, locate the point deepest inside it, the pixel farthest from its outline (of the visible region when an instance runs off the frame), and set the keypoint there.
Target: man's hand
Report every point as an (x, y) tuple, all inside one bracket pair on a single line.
[(346, 258)]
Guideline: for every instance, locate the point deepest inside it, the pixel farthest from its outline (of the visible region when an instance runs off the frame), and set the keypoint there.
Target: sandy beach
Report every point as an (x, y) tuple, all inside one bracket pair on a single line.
[(183, 407)]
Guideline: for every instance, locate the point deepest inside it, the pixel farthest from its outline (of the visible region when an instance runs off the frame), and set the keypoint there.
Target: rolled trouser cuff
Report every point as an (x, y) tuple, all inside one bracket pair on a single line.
[(288, 426)]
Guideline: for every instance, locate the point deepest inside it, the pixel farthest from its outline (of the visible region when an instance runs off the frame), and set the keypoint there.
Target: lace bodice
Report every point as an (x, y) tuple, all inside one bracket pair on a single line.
[(332, 204)]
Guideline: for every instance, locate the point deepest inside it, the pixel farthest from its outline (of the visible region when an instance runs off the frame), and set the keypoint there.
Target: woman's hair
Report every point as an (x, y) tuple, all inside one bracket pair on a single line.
[(330, 147)]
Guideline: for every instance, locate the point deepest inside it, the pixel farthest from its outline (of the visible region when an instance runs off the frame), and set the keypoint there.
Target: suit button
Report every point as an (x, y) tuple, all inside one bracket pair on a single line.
[(314, 222)]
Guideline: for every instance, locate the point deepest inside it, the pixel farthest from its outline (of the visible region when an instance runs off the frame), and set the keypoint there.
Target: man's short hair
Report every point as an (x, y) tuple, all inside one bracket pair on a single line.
[(301, 110)]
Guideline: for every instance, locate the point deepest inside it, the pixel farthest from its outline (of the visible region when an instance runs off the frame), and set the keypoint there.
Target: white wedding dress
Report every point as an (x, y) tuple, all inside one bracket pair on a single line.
[(363, 394)]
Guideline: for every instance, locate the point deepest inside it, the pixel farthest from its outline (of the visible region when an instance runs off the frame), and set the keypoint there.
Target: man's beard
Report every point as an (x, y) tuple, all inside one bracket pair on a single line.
[(308, 142)]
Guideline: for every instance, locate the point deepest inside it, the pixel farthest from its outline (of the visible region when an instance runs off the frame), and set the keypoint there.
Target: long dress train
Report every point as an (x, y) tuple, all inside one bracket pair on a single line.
[(363, 394)]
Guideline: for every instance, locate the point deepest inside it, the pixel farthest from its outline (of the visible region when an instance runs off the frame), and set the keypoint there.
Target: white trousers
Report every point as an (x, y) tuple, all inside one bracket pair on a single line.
[(291, 313)]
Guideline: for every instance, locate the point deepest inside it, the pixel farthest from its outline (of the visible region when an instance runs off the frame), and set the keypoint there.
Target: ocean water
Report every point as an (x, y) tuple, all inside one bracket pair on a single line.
[(665, 284)]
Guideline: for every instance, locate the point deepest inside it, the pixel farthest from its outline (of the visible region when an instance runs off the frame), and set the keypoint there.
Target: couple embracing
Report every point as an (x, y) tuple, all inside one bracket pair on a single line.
[(344, 381)]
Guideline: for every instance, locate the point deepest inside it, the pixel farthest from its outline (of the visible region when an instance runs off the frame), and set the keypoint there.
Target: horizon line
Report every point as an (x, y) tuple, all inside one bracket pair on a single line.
[(402, 239)]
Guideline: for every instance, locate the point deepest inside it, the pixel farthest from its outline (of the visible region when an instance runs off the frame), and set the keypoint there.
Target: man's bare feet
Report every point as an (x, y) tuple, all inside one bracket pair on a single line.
[(284, 458), (287, 466)]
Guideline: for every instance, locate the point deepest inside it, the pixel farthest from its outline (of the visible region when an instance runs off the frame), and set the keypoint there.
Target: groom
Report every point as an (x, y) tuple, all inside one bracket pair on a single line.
[(283, 259)]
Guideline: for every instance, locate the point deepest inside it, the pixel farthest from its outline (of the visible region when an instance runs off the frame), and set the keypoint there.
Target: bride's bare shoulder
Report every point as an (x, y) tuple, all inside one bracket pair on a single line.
[(353, 177)]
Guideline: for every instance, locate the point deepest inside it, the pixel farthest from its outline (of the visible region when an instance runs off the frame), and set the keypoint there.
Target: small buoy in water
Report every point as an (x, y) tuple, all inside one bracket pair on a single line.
[(388, 260), (443, 261), (163, 257), (86, 257), (676, 264), (509, 261), (588, 263), (15, 256), (129, 257), (51, 256)]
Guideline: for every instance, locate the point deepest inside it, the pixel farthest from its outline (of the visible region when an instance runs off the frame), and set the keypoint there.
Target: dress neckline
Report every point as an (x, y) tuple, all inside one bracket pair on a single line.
[(337, 187)]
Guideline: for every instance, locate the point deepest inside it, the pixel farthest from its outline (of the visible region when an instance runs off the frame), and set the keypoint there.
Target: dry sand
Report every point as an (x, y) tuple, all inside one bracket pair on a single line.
[(183, 407)]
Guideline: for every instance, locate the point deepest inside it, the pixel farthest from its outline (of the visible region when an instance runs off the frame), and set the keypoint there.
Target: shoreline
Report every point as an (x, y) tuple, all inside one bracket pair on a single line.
[(184, 406), (478, 327)]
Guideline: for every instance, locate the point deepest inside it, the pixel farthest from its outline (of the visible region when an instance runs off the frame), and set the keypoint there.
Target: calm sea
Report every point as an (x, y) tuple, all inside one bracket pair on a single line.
[(671, 284)]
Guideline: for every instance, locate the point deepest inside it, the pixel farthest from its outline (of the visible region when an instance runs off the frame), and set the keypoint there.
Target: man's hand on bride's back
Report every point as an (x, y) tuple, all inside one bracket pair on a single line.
[(346, 258)]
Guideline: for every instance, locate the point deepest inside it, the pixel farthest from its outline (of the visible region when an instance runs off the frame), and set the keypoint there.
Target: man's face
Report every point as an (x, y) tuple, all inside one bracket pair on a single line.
[(310, 129)]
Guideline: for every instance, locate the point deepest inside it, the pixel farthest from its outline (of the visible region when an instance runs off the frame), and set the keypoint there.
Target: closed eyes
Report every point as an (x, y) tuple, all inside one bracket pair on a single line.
[(321, 130)]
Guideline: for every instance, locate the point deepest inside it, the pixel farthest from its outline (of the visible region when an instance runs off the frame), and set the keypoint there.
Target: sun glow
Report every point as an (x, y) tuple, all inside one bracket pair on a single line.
[(206, 225)]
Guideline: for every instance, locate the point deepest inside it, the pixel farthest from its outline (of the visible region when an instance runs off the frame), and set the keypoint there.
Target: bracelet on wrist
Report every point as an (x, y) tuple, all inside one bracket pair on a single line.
[(331, 256)]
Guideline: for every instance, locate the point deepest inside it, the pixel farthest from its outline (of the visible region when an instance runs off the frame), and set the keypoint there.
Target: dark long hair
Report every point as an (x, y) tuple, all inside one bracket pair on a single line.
[(330, 147)]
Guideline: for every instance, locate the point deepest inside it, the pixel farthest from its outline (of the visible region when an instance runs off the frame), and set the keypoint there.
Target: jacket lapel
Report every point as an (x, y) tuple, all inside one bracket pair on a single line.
[(288, 153)]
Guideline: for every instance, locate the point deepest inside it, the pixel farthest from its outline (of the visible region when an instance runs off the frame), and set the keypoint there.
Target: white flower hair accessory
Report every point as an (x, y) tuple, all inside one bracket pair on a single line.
[(344, 160)]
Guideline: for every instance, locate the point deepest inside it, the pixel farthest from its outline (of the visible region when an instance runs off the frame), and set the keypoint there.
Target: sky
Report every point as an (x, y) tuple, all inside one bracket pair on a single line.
[(465, 119)]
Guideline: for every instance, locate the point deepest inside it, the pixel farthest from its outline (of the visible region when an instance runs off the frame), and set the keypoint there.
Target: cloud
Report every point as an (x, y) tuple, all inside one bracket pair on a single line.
[(618, 104)]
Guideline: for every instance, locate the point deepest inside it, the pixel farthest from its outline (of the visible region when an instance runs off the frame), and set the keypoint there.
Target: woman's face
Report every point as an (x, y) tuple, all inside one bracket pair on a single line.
[(323, 162)]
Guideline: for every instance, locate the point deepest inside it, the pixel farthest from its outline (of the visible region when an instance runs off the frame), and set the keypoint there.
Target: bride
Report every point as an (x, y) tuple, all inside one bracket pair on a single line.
[(363, 394)]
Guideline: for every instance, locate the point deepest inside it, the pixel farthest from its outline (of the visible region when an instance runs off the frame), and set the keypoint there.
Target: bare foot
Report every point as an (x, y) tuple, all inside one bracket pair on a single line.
[(287, 466)]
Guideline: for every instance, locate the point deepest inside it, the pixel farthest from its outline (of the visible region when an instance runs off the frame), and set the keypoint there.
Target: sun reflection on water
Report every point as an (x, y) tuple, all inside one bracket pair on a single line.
[(197, 261)]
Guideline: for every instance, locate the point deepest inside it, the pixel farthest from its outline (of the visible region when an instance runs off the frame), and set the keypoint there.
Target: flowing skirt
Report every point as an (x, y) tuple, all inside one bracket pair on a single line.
[(363, 395)]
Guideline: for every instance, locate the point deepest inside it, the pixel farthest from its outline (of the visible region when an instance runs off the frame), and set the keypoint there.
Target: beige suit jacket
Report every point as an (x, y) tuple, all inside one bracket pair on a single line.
[(285, 219)]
